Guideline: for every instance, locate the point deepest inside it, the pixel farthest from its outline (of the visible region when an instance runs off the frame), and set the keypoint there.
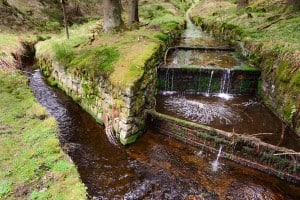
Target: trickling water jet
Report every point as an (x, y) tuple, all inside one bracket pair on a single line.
[(225, 83), (225, 86), (215, 163), (209, 84)]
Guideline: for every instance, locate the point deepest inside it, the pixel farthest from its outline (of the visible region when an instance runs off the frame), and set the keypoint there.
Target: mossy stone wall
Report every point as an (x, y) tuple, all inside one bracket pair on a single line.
[(122, 107)]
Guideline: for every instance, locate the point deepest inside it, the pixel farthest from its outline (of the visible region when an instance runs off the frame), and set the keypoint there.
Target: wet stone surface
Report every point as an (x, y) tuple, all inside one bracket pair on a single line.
[(196, 58)]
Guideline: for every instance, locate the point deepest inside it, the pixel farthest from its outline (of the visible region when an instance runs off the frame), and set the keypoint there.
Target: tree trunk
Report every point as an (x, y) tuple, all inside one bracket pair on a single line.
[(133, 12), (293, 2), (242, 3), (112, 15), (63, 3)]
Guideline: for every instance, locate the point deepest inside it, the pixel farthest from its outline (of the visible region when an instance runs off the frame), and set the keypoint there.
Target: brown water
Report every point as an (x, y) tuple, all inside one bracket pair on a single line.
[(239, 114), (156, 167)]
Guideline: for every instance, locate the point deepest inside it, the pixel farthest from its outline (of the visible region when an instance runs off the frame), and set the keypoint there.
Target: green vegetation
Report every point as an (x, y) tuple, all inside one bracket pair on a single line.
[(246, 67), (45, 15), (272, 25), (33, 165)]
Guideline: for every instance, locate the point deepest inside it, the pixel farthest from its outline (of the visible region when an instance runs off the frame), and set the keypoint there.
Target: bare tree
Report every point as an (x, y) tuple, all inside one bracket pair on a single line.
[(242, 3), (112, 15), (293, 2), (63, 3), (133, 12)]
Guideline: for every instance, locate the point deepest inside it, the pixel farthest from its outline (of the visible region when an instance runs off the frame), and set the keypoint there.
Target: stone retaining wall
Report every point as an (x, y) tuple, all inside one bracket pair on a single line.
[(122, 108)]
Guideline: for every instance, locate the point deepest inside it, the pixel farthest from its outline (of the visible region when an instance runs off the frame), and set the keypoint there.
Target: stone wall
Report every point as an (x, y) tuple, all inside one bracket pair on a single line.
[(122, 109), (279, 90)]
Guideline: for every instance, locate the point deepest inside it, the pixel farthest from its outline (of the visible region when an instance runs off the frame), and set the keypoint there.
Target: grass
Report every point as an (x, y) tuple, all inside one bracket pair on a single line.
[(33, 165), (284, 33)]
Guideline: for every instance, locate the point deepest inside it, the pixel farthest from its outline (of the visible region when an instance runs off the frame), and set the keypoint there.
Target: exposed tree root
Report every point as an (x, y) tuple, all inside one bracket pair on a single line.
[(5, 65)]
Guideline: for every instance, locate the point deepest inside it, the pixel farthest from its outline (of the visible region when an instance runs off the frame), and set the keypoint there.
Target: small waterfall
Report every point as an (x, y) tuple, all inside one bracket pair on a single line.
[(225, 82), (225, 85), (169, 80), (209, 84), (215, 163)]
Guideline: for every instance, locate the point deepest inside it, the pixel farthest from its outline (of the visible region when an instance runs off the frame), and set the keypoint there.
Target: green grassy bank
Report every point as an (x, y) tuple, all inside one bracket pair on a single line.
[(32, 163), (269, 32)]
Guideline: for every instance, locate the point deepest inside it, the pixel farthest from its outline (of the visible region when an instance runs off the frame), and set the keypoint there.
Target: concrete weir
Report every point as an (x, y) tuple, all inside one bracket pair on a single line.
[(238, 81), (245, 150)]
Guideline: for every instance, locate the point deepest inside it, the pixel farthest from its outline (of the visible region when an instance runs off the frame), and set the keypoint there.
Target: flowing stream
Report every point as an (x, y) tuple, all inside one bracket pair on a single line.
[(155, 167), (206, 88)]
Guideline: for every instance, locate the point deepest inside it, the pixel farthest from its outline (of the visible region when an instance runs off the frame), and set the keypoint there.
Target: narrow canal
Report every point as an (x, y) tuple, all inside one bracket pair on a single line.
[(155, 167)]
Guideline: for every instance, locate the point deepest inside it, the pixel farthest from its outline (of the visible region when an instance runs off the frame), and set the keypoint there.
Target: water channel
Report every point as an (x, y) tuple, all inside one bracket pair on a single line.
[(218, 89), (155, 167)]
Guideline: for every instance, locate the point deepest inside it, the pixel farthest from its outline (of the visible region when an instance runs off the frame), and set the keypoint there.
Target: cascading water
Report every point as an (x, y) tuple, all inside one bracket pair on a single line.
[(209, 84), (225, 85), (215, 163), (169, 83), (225, 82)]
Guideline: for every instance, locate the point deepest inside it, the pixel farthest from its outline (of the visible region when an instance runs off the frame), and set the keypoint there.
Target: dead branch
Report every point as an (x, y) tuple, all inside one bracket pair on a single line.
[(274, 22), (284, 126), (291, 153), (259, 134)]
